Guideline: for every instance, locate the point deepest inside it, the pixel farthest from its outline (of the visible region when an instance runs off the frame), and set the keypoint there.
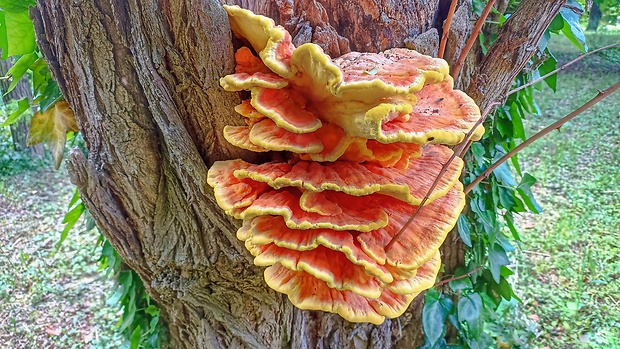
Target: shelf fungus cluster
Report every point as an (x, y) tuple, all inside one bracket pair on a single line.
[(363, 136)]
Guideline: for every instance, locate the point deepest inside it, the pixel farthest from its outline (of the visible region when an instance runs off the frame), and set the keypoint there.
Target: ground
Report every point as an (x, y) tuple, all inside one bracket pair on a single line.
[(568, 265), (569, 262), (51, 297)]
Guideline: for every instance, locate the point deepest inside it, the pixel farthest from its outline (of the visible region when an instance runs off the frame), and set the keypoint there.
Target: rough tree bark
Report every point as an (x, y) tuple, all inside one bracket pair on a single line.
[(142, 78)]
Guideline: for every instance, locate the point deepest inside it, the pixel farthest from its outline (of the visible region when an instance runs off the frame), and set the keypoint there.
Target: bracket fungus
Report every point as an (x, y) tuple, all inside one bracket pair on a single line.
[(364, 136)]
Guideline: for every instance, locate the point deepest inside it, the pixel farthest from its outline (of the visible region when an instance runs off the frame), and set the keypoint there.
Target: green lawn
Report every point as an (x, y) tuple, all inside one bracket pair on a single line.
[(569, 262)]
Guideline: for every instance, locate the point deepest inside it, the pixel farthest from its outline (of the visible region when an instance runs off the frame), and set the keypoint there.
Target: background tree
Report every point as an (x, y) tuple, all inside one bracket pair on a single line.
[(142, 78), (19, 130), (598, 9)]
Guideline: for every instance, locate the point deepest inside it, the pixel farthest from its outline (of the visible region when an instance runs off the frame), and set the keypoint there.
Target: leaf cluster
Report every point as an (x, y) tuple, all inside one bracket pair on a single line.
[(479, 294), (140, 322), (17, 40)]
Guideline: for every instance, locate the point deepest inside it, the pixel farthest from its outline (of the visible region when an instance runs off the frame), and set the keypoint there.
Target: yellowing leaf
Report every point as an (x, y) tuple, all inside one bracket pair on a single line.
[(52, 126)]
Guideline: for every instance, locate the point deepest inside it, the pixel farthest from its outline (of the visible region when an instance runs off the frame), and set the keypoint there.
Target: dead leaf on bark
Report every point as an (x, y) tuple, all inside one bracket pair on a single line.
[(52, 126)]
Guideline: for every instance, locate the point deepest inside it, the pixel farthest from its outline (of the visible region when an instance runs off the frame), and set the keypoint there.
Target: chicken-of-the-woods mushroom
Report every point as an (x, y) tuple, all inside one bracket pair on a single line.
[(364, 136)]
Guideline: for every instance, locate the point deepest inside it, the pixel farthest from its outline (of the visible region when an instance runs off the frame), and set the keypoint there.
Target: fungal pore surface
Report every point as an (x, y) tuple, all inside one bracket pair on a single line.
[(363, 137)]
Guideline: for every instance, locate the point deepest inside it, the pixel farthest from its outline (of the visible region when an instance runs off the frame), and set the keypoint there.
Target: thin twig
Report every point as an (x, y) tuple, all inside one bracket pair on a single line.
[(561, 68), (443, 282), (443, 170), (537, 253), (472, 38), (556, 125), (465, 149), (446, 29)]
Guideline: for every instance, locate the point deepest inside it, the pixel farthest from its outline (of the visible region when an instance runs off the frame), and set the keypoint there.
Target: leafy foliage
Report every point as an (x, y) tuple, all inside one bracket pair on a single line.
[(487, 228), (140, 320), (17, 40)]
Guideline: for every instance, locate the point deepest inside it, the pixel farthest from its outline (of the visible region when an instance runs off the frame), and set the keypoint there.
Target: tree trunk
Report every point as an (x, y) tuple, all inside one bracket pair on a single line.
[(595, 17), (19, 130), (142, 78)]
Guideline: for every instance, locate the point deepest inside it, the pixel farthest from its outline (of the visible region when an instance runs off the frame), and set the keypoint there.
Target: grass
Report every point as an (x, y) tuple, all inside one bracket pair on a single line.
[(569, 263), (50, 297)]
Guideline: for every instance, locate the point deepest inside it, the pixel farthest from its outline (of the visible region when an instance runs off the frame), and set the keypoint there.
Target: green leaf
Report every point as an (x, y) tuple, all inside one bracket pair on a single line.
[(549, 65), (129, 312), (506, 198), (469, 308), (494, 192), (510, 222), (113, 262), (544, 40), (115, 297), (517, 121), (40, 76), (483, 47), (483, 216), (524, 189), (478, 150), (49, 96), (556, 24), (134, 338), (433, 320), (74, 198), (502, 172), (504, 243), (572, 29), (22, 105), (70, 219), (16, 5), (153, 324), (126, 281), (464, 228), (89, 223), (504, 289), (152, 310), (504, 126), (462, 283), (515, 159), (17, 71), (497, 258), (4, 45), (19, 33)]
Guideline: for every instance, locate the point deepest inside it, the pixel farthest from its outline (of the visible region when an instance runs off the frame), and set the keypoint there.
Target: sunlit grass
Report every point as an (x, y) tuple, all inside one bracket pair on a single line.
[(569, 274)]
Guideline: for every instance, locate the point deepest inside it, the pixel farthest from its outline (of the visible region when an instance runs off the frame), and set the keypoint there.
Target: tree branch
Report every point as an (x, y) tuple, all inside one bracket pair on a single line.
[(472, 38), (556, 125), (516, 43), (446, 29), (561, 68), (443, 282), (458, 150)]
